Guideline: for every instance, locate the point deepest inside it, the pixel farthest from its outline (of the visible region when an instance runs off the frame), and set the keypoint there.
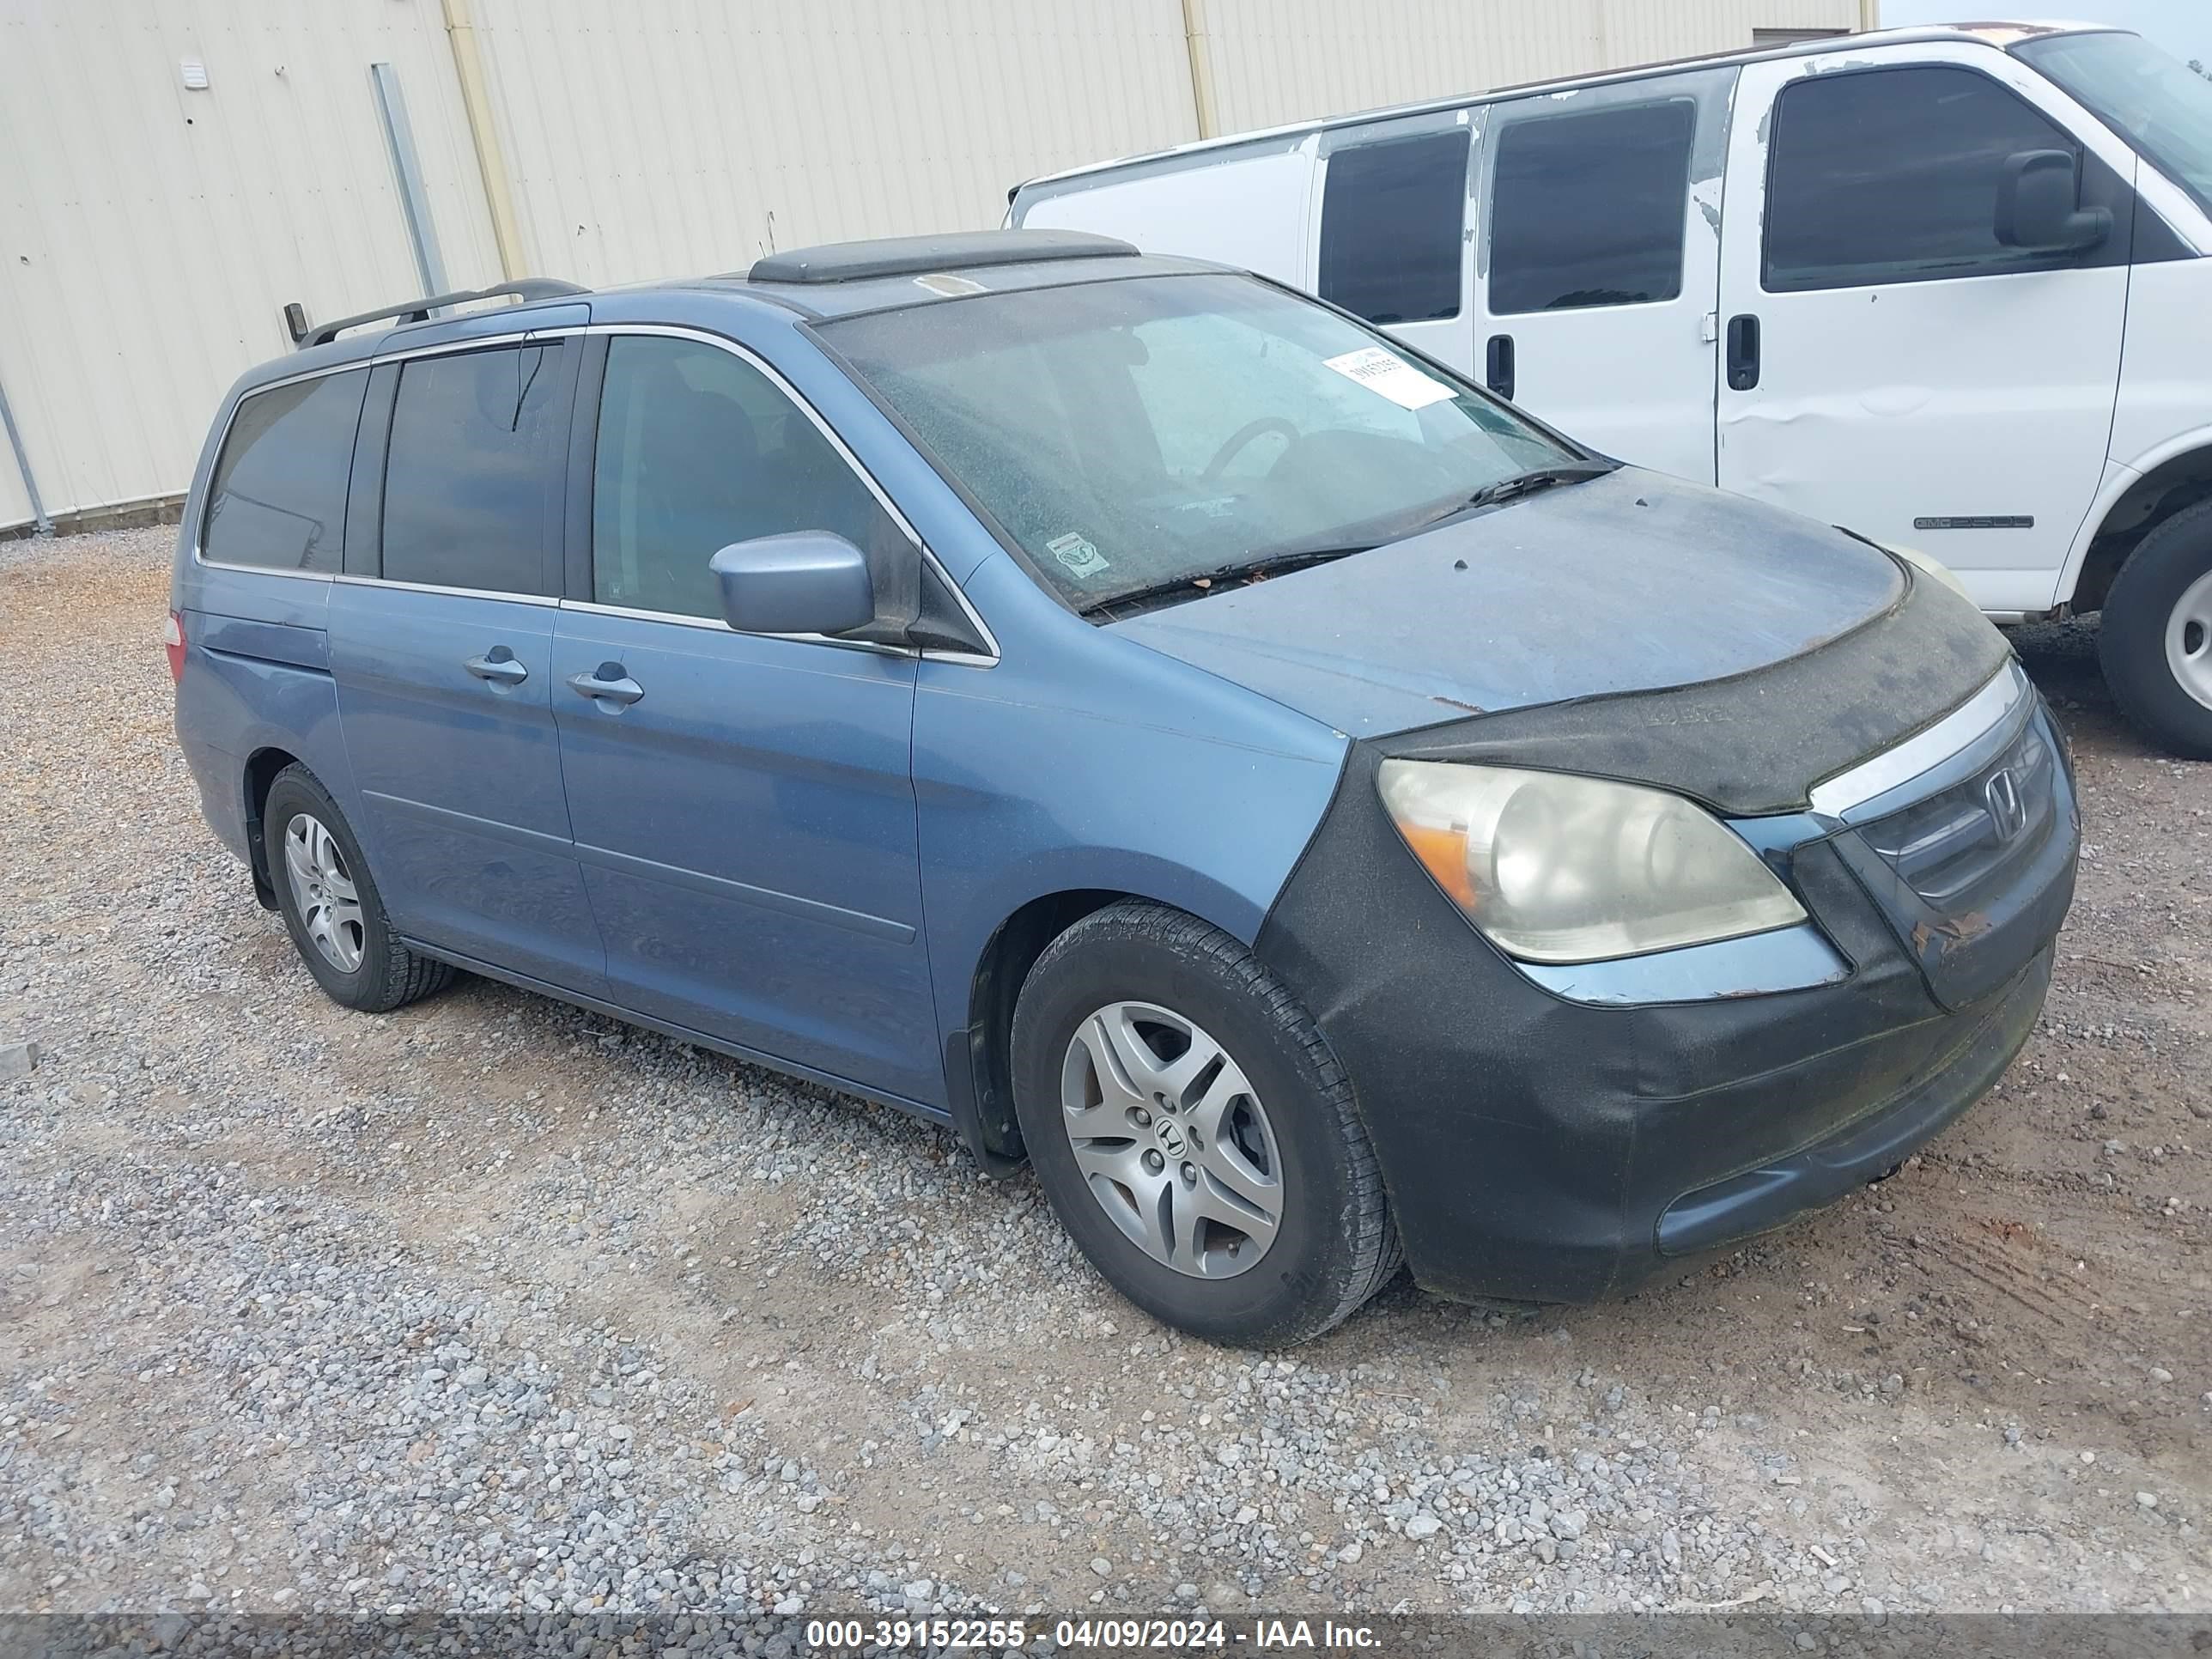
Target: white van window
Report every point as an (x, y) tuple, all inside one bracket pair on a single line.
[(278, 497), (1587, 209), (1392, 219), (1891, 176), (2161, 105)]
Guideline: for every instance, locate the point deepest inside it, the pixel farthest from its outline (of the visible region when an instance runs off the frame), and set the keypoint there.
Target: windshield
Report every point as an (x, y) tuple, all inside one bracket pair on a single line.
[(1127, 434), (2162, 106)]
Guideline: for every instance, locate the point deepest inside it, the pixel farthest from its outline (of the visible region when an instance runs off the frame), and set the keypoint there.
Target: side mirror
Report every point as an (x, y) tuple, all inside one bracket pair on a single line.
[(2037, 195), (808, 582)]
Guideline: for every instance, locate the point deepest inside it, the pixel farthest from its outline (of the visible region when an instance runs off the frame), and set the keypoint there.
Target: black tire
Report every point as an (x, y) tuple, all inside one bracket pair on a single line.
[(389, 975), (2132, 641), (1335, 1246)]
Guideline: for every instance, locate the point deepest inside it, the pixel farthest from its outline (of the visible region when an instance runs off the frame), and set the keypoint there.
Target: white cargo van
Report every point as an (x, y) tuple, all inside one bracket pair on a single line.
[(1951, 289)]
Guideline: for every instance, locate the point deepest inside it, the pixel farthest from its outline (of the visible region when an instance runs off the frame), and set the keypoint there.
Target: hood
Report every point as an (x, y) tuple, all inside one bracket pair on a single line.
[(1629, 582)]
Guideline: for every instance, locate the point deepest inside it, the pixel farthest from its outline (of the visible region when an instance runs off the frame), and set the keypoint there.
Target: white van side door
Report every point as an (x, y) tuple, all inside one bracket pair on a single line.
[(1891, 366), (1390, 202), (1598, 264)]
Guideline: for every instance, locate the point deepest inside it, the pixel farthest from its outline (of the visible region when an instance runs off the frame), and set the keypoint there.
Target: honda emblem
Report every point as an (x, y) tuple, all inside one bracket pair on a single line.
[(2008, 812)]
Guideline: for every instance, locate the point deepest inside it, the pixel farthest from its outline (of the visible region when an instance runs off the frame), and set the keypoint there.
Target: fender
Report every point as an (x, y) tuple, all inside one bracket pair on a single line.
[(2120, 477), (1140, 776)]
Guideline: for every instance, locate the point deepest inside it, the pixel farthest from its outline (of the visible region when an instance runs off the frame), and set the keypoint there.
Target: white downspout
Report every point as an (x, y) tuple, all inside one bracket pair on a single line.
[(46, 525), (476, 101), (1201, 71)]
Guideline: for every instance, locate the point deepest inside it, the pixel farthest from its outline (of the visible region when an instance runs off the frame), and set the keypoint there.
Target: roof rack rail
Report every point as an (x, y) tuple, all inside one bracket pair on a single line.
[(418, 311)]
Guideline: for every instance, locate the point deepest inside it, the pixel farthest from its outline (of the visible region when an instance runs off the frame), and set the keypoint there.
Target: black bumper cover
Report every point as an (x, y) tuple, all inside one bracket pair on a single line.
[(1543, 1150)]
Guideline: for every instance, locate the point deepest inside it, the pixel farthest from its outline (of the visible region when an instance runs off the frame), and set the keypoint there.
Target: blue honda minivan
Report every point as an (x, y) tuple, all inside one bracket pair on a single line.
[(1313, 814)]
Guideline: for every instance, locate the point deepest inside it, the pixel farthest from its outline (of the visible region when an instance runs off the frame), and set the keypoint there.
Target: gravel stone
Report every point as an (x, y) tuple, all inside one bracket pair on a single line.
[(494, 1306)]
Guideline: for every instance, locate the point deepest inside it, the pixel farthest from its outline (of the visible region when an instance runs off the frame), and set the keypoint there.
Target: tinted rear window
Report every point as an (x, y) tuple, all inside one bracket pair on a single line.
[(1391, 219), (472, 481), (1587, 210), (279, 493)]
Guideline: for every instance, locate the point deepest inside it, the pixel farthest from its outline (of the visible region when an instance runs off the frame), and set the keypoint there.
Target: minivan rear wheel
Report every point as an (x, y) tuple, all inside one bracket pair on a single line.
[(2156, 639), (1193, 1132), (331, 904)]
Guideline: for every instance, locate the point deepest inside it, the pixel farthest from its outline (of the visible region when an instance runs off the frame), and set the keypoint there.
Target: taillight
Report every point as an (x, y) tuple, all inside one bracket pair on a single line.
[(173, 642)]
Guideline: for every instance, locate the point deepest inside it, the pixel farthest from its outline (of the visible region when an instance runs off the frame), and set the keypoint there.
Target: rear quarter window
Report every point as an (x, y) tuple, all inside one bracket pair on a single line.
[(1392, 217), (277, 501), (472, 479), (1587, 209)]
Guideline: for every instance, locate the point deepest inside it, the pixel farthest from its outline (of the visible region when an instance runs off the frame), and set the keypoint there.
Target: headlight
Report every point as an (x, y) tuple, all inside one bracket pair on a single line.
[(1557, 868), (1935, 568)]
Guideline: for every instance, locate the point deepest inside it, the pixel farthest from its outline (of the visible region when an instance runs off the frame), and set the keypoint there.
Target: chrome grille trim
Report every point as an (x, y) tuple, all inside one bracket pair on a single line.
[(1994, 703)]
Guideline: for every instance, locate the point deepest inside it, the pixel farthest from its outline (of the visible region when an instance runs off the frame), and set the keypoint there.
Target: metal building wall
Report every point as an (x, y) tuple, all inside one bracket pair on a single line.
[(674, 136), (1275, 61), (150, 235)]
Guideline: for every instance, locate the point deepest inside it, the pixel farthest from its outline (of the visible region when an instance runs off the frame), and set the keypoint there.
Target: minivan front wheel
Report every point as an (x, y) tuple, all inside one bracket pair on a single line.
[(2156, 639), (1193, 1132), (331, 904)]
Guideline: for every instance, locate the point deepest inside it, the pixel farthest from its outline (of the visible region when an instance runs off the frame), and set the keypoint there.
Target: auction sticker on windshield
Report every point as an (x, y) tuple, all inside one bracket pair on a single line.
[(1391, 375)]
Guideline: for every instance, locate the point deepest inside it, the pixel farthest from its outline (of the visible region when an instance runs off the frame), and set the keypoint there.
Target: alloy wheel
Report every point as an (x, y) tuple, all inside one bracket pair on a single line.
[(323, 892)]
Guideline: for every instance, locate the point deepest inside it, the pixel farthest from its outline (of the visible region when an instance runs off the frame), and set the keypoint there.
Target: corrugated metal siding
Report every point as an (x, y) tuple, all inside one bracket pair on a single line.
[(149, 236), (674, 135), (14, 505), (153, 234), (1276, 61), (1643, 33)]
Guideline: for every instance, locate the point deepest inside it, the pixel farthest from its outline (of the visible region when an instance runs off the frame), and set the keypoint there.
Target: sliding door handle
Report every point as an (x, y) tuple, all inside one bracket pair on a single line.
[(608, 684), (499, 667), (1742, 352), (1497, 365)]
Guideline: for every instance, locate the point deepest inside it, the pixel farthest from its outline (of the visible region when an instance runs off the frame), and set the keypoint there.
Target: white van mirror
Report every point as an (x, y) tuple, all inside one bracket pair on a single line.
[(2036, 204)]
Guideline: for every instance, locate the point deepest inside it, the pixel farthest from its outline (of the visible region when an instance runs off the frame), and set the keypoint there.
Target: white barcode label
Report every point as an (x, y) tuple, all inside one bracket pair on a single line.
[(1391, 376)]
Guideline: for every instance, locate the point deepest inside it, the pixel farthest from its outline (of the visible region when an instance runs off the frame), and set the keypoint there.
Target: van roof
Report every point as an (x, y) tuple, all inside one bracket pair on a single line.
[(835, 279), (1999, 35)]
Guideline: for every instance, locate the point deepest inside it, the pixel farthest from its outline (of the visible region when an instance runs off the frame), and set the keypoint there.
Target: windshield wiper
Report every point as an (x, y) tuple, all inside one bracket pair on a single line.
[(1198, 583), (1528, 483)]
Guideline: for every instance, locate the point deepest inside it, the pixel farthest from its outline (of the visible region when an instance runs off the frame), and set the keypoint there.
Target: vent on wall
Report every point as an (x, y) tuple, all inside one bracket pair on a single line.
[(195, 75)]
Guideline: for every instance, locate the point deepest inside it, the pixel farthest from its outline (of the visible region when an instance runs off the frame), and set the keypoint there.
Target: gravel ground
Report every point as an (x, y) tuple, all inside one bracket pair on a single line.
[(494, 1304)]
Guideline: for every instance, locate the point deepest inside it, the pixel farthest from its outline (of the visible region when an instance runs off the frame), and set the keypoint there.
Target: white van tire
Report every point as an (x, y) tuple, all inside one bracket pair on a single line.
[(2156, 642)]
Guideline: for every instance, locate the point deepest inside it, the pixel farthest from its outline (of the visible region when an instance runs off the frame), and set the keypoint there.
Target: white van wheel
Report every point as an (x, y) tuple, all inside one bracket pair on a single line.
[(2156, 638)]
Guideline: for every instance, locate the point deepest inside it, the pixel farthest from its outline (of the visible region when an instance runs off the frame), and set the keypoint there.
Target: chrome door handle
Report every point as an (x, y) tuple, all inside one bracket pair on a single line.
[(499, 667), (608, 684)]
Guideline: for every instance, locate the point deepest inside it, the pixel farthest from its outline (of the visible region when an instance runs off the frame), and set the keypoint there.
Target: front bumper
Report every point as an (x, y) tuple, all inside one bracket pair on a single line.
[(1540, 1149), (1868, 1147)]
